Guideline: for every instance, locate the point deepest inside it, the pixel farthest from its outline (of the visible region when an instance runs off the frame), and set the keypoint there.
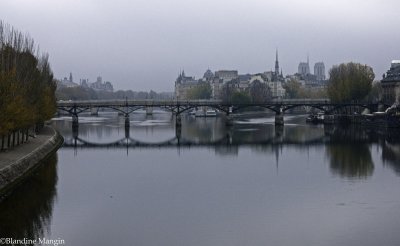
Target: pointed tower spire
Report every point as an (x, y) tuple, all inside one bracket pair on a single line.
[(276, 64)]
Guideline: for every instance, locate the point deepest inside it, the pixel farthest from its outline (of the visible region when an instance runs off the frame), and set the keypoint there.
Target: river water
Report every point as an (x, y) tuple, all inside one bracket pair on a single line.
[(208, 184)]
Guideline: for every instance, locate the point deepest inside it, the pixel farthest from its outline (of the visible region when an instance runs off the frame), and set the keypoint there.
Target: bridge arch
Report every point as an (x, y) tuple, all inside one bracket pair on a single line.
[(74, 111)]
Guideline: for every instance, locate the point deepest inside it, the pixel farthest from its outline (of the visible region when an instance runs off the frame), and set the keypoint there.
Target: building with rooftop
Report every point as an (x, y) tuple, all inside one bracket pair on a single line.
[(391, 83), (183, 84), (304, 67), (319, 71), (241, 82), (67, 82), (227, 75)]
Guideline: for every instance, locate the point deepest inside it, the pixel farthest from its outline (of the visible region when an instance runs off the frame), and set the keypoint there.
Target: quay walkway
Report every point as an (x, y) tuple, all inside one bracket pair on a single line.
[(18, 162)]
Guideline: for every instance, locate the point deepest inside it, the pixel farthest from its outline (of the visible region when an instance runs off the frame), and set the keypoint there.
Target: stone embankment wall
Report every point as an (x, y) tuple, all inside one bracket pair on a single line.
[(16, 169)]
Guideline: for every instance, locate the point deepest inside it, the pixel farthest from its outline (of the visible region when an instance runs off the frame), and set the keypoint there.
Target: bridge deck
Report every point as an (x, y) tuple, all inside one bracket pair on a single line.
[(158, 103)]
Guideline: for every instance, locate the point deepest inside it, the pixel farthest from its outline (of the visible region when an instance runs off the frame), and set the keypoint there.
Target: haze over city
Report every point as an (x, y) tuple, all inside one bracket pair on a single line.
[(143, 45)]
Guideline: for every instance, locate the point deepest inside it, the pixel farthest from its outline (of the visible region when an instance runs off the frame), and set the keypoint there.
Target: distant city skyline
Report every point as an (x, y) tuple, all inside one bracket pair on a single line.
[(143, 45)]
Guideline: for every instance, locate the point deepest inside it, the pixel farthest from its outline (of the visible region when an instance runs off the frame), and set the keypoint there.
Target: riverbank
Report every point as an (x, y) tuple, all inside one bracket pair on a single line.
[(19, 162)]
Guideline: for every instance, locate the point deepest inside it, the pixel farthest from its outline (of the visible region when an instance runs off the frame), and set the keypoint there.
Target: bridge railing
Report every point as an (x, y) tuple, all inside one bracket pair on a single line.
[(200, 102), (302, 100), (144, 102)]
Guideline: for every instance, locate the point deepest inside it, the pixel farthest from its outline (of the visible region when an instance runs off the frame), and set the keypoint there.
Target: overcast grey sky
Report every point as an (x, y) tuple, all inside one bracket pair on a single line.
[(143, 44)]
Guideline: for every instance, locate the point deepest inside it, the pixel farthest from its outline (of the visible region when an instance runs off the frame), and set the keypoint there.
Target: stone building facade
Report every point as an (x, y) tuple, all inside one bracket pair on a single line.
[(391, 84)]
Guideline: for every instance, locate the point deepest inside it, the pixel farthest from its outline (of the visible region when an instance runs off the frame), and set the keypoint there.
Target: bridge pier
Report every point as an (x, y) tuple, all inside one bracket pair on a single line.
[(178, 120), (75, 122), (127, 121), (178, 132), (228, 120), (149, 110), (279, 132), (75, 134), (127, 132), (279, 120), (178, 129)]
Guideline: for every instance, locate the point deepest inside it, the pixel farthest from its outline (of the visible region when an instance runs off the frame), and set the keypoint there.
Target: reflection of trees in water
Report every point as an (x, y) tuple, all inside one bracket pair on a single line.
[(391, 155), (350, 160), (27, 212), (349, 151), (353, 133)]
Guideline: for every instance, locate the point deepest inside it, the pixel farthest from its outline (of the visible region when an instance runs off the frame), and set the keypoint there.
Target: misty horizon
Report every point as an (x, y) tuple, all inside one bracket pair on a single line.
[(143, 45)]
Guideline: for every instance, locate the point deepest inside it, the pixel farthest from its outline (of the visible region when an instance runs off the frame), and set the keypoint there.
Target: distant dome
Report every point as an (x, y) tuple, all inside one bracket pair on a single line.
[(208, 74)]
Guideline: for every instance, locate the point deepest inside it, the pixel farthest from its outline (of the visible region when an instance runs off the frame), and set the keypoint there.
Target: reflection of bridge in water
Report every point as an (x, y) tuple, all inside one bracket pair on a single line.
[(179, 142), (330, 135), (346, 161), (278, 139)]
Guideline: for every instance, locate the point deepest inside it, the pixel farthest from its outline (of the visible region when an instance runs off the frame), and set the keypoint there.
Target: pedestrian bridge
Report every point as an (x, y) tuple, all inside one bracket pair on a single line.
[(177, 107), (180, 106)]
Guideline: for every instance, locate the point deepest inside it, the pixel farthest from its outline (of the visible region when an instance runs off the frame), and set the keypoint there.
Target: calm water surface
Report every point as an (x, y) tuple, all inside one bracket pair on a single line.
[(250, 184)]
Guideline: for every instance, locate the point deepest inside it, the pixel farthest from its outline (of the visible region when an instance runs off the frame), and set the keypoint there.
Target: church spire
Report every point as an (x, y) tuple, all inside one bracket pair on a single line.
[(276, 63)]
